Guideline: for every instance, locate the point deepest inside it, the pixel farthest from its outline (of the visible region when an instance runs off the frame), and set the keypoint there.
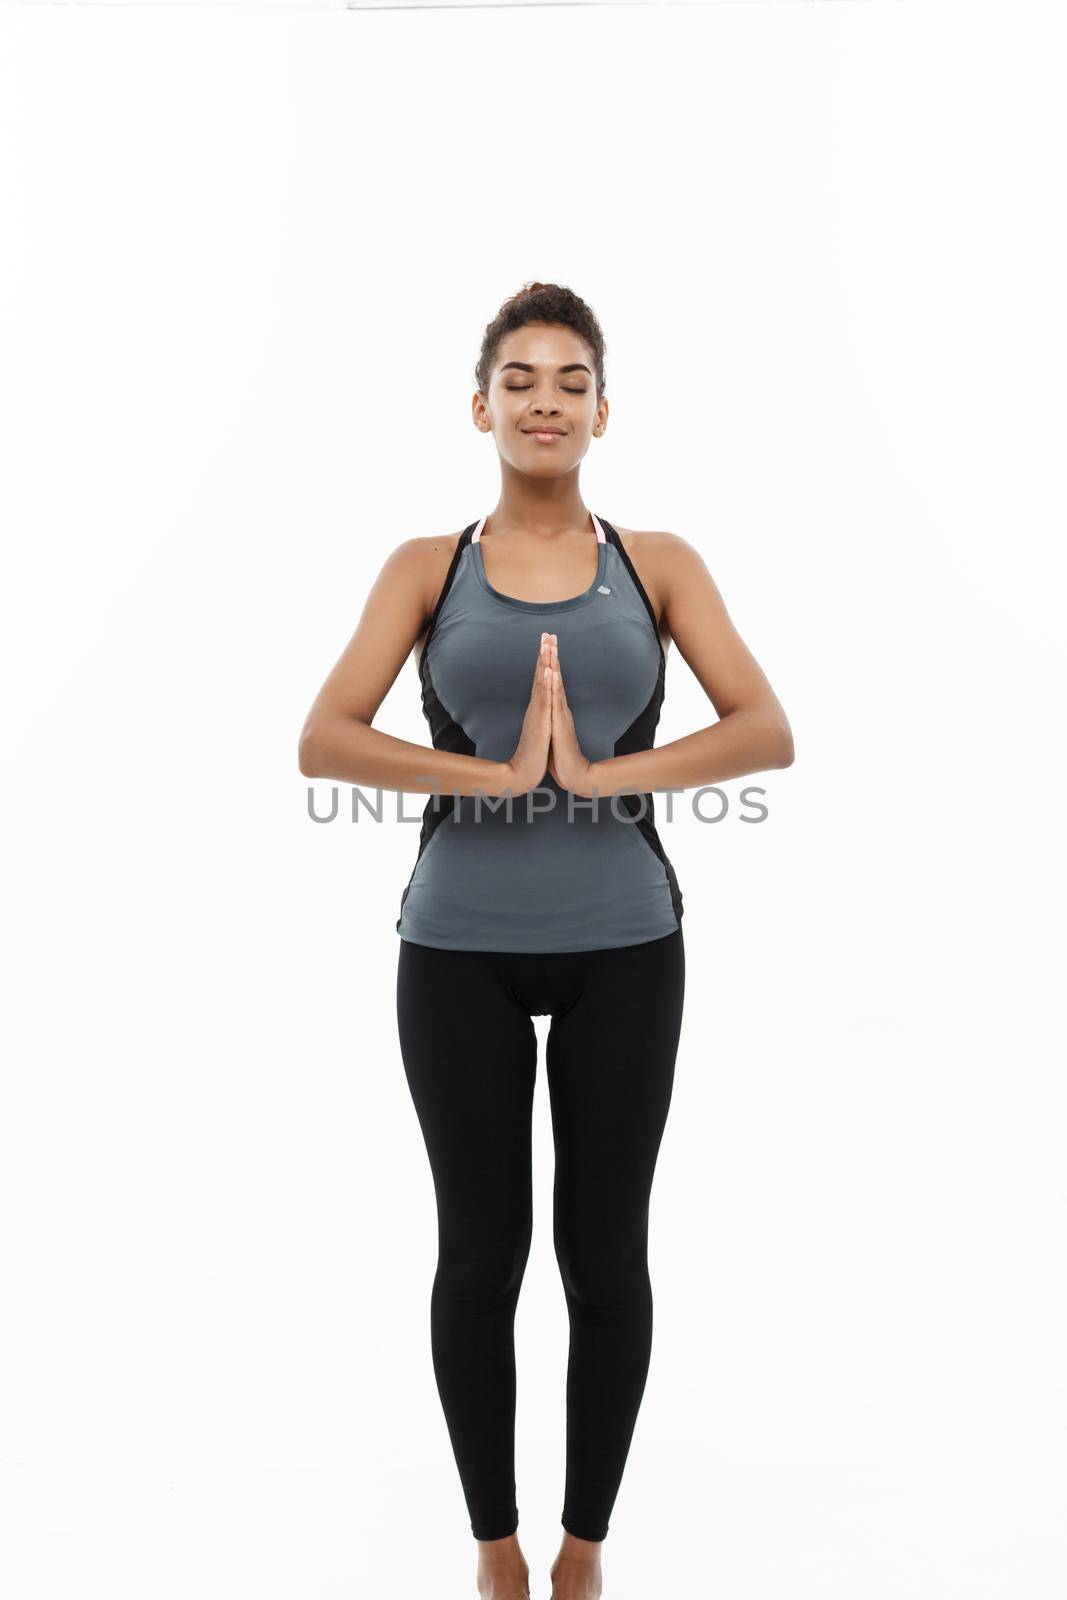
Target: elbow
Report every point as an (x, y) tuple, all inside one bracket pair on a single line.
[(309, 755), (780, 749), (328, 747)]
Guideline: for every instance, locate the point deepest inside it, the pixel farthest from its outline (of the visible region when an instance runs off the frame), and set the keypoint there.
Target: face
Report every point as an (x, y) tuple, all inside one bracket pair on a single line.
[(542, 378)]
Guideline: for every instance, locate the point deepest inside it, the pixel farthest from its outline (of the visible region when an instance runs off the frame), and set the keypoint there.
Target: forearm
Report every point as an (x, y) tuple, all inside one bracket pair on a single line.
[(739, 743), (353, 752)]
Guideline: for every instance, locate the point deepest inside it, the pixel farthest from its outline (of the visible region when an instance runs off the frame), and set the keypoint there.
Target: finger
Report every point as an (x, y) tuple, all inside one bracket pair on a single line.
[(544, 659), (562, 695)]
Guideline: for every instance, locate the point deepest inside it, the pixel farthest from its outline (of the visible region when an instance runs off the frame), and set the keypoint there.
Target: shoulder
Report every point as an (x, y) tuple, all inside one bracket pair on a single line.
[(666, 552), (424, 560), (426, 550)]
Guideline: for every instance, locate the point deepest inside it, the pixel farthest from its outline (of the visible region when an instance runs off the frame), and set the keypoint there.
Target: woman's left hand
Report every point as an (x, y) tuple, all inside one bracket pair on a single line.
[(566, 763)]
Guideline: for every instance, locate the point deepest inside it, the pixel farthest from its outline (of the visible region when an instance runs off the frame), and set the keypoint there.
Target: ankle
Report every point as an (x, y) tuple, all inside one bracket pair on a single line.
[(501, 1554), (573, 1549)]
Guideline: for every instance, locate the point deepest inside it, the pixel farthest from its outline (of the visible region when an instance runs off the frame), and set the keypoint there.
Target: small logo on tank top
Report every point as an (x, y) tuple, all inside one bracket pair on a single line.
[(603, 589)]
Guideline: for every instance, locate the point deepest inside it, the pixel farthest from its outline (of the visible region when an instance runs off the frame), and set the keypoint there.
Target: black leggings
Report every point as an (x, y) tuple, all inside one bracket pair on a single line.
[(470, 1055)]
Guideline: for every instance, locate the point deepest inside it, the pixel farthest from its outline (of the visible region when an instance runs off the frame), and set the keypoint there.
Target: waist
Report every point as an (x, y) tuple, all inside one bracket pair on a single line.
[(563, 880)]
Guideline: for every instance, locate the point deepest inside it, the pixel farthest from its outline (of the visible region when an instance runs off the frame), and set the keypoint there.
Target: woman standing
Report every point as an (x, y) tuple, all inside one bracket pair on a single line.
[(541, 888)]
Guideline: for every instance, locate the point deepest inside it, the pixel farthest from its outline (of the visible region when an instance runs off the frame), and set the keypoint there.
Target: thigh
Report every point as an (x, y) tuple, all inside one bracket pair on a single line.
[(470, 1057), (610, 1059)]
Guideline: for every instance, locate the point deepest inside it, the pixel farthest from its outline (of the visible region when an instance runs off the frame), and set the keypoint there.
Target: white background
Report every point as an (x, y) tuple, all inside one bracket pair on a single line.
[(247, 262)]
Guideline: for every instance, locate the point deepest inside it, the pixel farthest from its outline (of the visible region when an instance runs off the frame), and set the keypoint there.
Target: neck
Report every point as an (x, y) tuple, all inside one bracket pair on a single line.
[(542, 508)]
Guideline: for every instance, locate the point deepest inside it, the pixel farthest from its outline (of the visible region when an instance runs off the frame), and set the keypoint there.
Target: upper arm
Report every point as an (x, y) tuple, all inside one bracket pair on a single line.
[(700, 625), (393, 618)]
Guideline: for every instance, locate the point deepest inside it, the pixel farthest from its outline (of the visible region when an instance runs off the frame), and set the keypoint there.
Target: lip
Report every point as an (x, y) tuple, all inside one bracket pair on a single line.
[(544, 433)]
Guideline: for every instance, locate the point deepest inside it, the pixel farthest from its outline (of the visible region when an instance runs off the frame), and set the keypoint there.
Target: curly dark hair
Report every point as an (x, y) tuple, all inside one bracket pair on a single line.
[(542, 302)]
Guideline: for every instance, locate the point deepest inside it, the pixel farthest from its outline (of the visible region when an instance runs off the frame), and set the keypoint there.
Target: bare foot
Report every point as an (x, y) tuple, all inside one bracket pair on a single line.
[(576, 1571), (502, 1570)]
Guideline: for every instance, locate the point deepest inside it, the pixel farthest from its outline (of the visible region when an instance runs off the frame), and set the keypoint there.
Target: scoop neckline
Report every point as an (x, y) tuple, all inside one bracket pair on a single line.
[(583, 599)]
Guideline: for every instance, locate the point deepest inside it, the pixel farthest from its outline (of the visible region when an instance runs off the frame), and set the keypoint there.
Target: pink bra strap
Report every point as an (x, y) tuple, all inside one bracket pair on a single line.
[(600, 539)]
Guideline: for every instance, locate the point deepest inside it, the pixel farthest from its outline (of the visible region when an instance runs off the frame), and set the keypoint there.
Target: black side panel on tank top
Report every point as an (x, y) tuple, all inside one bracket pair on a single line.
[(445, 734), (640, 735)]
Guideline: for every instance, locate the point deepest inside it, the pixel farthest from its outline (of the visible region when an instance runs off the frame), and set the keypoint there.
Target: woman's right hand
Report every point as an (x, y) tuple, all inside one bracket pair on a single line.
[(530, 762)]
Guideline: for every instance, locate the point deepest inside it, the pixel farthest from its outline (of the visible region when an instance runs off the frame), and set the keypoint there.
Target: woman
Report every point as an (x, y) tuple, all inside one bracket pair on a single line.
[(541, 887)]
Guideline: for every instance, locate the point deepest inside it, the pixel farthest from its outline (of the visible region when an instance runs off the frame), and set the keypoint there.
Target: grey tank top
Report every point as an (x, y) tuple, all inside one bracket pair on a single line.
[(546, 870)]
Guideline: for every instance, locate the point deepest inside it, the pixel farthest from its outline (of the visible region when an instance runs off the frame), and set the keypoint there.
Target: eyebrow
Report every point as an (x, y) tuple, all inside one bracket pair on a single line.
[(524, 366)]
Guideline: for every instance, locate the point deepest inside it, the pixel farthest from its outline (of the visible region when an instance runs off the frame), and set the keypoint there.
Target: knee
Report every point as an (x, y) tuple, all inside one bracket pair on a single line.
[(608, 1275), (477, 1273)]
